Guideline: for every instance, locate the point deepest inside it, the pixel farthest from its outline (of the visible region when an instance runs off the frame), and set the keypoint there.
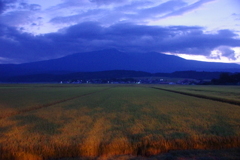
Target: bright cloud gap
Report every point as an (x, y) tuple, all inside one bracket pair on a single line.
[(215, 56)]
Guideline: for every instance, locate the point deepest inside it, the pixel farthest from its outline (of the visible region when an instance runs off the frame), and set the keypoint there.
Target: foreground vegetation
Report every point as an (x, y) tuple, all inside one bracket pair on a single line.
[(103, 121)]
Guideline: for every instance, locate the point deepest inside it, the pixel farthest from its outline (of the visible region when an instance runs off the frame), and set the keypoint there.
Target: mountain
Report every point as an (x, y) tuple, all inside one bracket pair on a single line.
[(112, 59)]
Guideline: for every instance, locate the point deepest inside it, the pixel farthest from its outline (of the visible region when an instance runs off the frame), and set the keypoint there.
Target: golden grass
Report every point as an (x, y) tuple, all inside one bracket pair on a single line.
[(120, 121)]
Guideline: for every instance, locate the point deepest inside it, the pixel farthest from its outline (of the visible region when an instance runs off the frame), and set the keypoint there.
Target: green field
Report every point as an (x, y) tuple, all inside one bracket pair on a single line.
[(55, 121), (222, 93)]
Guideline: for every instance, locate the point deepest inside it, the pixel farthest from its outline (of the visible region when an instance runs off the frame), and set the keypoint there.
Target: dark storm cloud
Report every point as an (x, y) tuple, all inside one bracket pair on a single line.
[(90, 36), (22, 47)]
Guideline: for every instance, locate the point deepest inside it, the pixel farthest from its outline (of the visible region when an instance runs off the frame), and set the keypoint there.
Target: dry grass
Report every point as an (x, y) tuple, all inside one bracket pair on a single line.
[(120, 121)]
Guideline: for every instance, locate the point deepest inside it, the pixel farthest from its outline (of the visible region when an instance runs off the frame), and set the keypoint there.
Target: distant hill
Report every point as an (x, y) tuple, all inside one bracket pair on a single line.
[(111, 59)]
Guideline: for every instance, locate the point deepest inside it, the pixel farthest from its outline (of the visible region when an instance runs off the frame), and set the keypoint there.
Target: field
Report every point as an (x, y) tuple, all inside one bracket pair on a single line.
[(90, 121), (229, 94)]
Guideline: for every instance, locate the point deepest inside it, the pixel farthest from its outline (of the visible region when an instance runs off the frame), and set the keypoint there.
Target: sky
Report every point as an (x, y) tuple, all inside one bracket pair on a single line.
[(35, 30)]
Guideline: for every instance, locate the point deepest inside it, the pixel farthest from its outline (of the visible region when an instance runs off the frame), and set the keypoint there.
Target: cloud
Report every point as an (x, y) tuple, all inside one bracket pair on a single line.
[(77, 18), (106, 2), (83, 4), (166, 7), (17, 5), (17, 13), (89, 36), (127, 11), (16, 18), (236, 16), (86, 30), (86, 25), (224, 51), (6, 4), (31, 7), (110, 12), (6, 60), (187, 8)]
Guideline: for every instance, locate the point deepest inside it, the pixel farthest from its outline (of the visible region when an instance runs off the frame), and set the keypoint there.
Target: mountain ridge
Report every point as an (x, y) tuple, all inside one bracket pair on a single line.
[(111, 59)]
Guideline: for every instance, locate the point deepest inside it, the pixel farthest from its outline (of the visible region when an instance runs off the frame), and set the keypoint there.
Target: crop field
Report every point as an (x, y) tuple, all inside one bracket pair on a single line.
[(39, 122), (229, 94)]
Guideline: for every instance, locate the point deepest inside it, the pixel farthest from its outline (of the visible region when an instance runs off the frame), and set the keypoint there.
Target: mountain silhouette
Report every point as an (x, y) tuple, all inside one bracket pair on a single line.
[(111, 59)]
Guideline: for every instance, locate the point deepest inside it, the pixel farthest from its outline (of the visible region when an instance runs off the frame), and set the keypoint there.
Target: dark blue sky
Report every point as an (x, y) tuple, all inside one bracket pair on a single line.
[(33, 30)]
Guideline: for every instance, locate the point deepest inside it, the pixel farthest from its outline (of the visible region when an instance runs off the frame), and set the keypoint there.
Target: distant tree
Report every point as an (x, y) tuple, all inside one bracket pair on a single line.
[(227, 78)]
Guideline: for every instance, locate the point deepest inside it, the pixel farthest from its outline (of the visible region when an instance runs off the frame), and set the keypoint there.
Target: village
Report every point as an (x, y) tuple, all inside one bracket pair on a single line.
[(138, 81)]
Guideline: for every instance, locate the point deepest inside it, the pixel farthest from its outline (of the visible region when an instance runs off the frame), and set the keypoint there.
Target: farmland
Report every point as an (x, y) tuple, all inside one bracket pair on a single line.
[(56, 121)]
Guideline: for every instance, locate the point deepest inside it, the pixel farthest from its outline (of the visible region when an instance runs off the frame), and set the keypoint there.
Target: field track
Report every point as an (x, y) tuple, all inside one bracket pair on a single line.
[(201, 96), (50, 104)]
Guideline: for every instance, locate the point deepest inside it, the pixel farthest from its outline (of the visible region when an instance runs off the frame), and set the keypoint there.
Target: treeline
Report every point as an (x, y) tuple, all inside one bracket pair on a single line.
[(124, 75), (227, 79), (218, 78)]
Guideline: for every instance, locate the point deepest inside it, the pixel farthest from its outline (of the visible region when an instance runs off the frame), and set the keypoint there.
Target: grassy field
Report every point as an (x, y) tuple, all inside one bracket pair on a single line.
[(225, 93), (17, 98), (56, 121)]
